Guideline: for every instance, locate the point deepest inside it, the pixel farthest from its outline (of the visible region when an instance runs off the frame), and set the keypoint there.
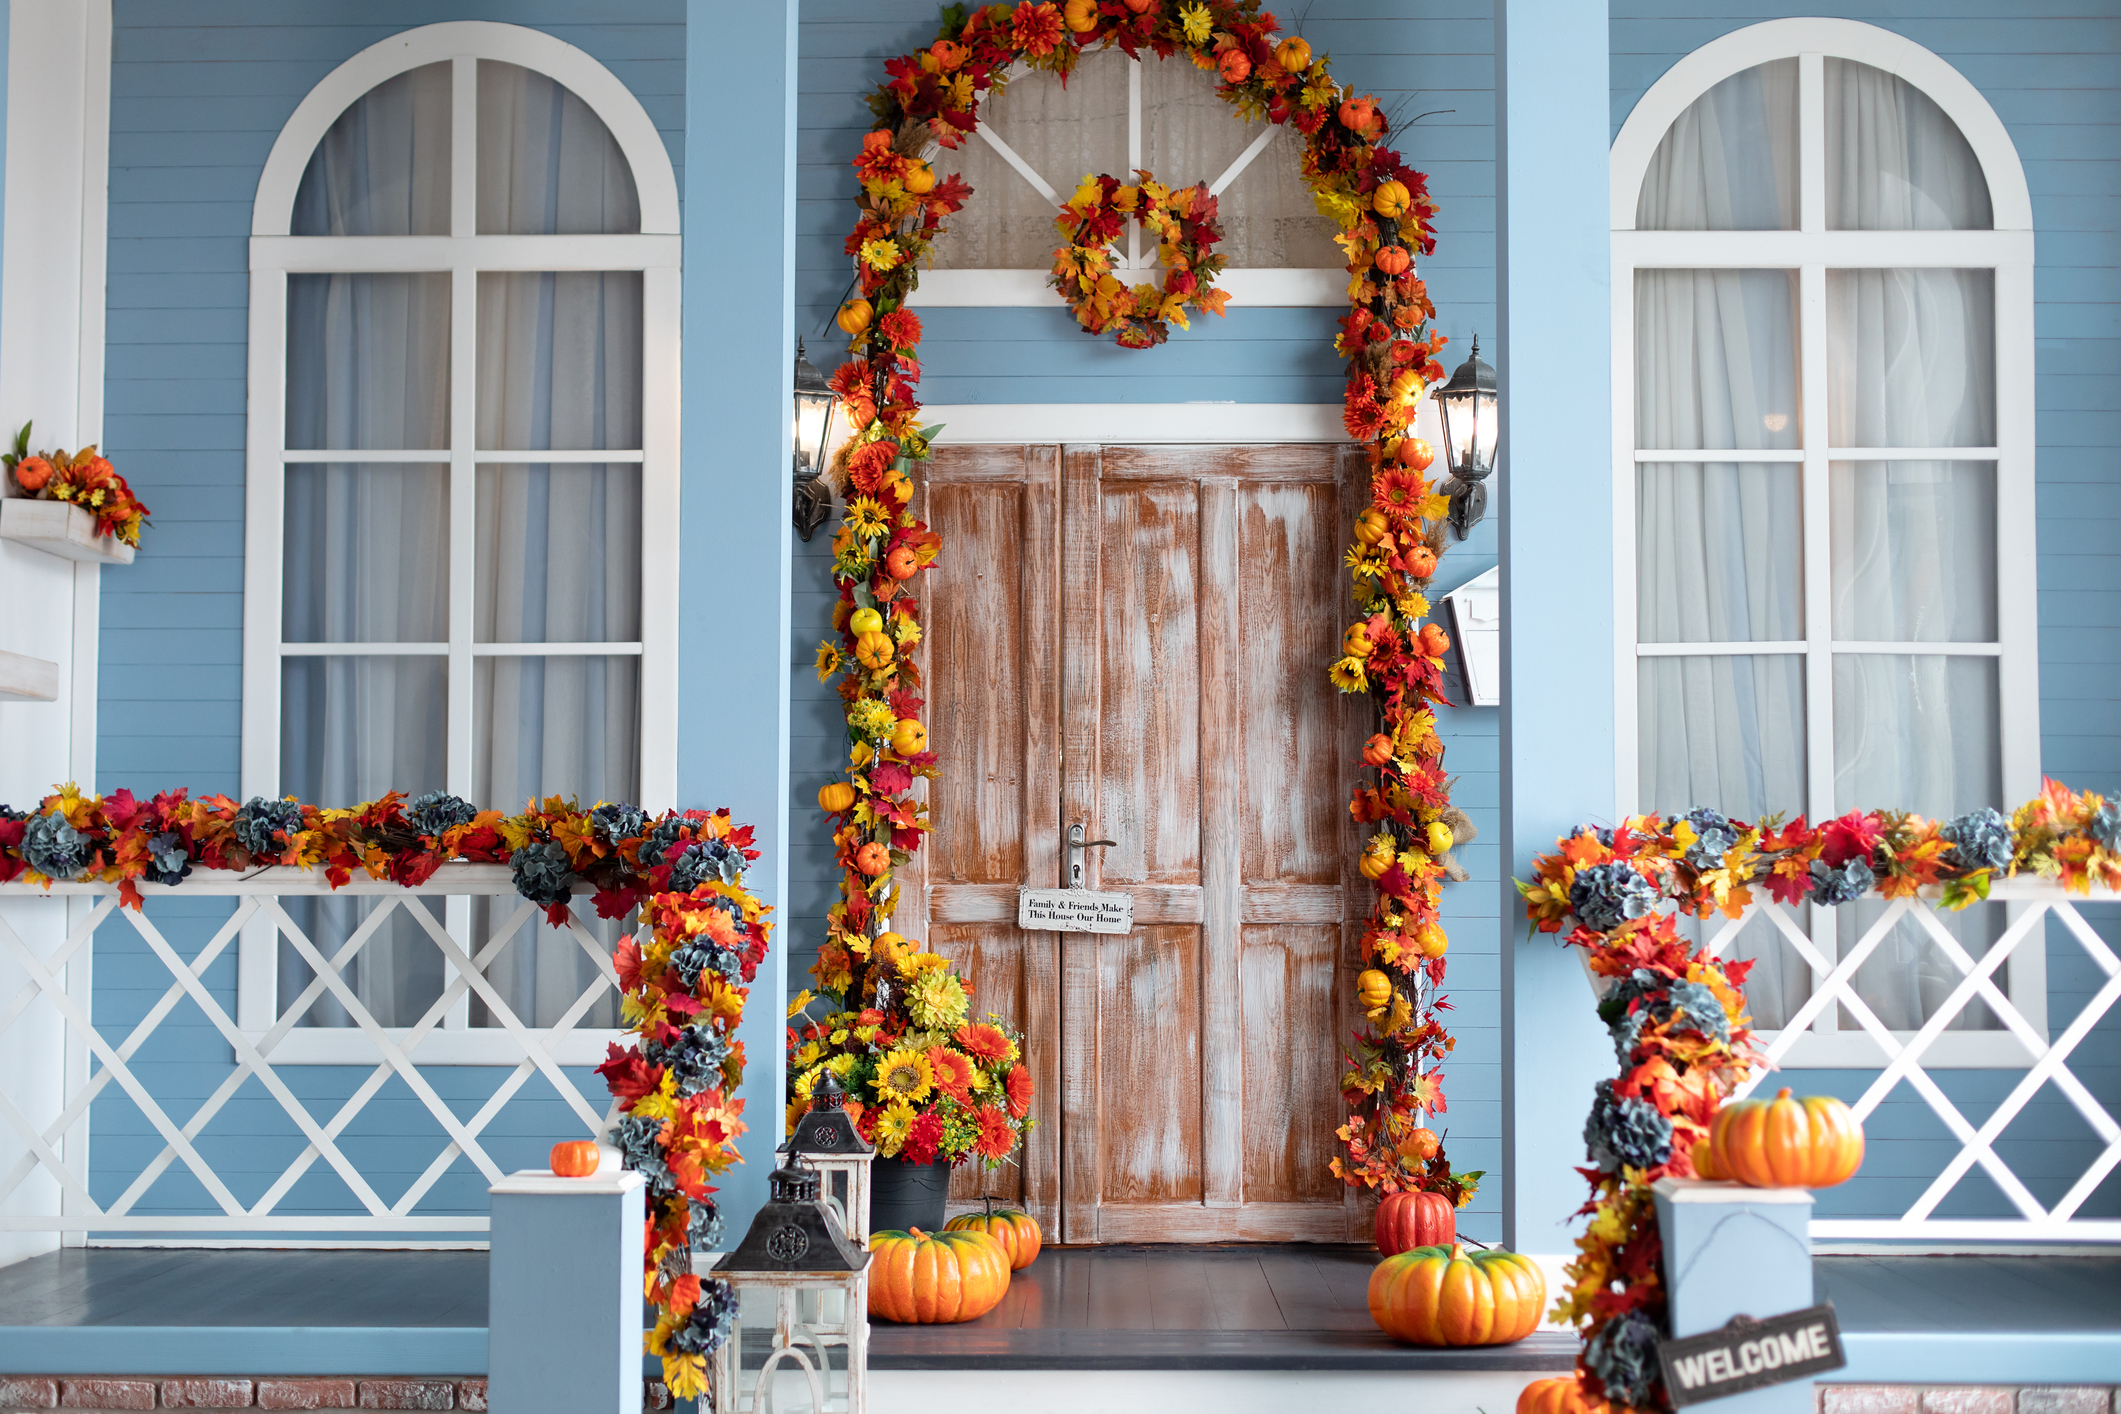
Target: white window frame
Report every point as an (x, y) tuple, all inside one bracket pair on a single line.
[(275, 253), (1812, 250), (1258, 287)]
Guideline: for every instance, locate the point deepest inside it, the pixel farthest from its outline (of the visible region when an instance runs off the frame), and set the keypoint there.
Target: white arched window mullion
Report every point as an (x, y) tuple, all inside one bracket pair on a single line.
[(1811, 250)]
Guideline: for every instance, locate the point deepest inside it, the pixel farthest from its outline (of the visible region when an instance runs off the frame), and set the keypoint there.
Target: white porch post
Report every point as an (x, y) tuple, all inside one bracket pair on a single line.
[(733, 593), (1555, 512)]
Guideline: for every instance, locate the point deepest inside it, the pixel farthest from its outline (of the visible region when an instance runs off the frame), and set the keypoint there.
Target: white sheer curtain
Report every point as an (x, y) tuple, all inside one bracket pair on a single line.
[(1720, 544), (556, 546)]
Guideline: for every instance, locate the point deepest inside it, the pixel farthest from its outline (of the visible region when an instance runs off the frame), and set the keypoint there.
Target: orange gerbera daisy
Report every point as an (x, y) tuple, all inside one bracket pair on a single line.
[(953, 1072), (989, 1045), (1019, 1089), (1399, 490), (996, 1135)]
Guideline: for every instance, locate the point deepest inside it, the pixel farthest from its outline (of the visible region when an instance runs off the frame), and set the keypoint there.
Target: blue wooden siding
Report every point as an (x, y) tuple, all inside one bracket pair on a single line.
[(2052, 71), (199, 97), (1418, 58)]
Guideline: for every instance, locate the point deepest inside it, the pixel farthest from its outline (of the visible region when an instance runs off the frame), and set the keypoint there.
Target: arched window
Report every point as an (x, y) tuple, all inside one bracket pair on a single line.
[(1823, 422), (462, 460)]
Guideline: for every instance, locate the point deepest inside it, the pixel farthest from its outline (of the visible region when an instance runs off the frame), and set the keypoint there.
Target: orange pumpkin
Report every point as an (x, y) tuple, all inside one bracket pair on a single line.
[(1432, 940), (1416, 452), (1236, 66), (1394, 260), (1443, 1296), (1434, 641), (834, 797), (1703, 1153), (1377, 750), (935, 1277), (1391, 198), (949, 54), (1293, 54), (1355, 641), (574, 1158), (1015, 1230), (872, 859), (909, 737), (1423, 1144), (1141, 7), (1080, 15), (1373, 989), (1406, 1221), (1372, 526), (854, 316), (1356, 114), (1374, 865), (1421, 562), (919, 179), (901, 563), (1787, 1143), (1559, 1394), (875, 651)]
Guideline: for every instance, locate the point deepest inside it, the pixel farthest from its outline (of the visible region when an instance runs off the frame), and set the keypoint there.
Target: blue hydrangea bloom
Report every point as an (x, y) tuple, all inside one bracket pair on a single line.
[(438, 811), (636, 1136), (260, 825), (1624, 1357), (1833, 886), (168, 861), (695, 1058), (711, 1321), (2106, 827), (704, 1226), (703, 953), (1625, 1131), (1605, 896), (1980, 839), (1689, 1006), (665, 833), (703, 860), (54, 848), (1598, 833), (618, 822), (542, 873), (1713, 837)]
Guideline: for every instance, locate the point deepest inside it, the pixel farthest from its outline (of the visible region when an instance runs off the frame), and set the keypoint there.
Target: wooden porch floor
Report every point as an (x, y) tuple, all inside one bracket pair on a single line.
[(1965, 1319)]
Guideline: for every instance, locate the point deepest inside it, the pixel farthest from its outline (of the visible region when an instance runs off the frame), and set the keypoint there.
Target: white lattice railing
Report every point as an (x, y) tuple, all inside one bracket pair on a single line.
[(54, 965), (1902, 1054)]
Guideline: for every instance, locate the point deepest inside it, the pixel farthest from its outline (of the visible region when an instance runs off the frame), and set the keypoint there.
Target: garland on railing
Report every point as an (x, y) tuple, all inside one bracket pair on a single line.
[(683, 993), (1385, 215), (1677, 1016)]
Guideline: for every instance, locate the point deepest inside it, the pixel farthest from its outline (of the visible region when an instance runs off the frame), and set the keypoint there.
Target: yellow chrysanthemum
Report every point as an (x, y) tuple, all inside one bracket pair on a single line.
[(866, 518), (1199, 24), (904, 1075), (1348, 675), (893, 1123), (880, 255), (938, 1000), (872, 718), (802, 999)]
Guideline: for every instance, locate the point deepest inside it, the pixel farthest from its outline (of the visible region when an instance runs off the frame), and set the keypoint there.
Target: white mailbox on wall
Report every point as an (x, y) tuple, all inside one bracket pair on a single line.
[(1475, 609)]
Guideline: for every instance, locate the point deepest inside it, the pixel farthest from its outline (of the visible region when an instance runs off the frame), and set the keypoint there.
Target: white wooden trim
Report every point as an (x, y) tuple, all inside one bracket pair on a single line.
[(1811, 251), (1016, 161), (342, 456), (1258, 288), (28, 679), (1011, 423), (467, 254), (661, 486), (589, 80), (1848, 39)]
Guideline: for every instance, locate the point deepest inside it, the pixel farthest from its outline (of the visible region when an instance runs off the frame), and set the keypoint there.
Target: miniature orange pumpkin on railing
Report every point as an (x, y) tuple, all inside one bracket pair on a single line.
[(935, 1278), (1814, 1142), (1443, 1296), (574, 1158), (1014, 1229), (1560, 1394)]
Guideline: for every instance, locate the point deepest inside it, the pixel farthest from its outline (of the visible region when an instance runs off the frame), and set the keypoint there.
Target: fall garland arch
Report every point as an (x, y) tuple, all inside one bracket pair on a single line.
[(930, 98)]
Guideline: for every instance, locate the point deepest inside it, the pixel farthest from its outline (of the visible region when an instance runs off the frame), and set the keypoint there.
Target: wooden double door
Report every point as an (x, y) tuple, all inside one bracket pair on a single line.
[(1136, 639)]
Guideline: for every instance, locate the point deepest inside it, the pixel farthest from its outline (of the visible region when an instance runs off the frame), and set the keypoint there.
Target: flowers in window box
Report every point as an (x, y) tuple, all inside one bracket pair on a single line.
[(85, 479)]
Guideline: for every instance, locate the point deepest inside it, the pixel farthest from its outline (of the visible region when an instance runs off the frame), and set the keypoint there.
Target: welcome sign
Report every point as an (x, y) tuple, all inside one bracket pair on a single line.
[(1749, 1354)]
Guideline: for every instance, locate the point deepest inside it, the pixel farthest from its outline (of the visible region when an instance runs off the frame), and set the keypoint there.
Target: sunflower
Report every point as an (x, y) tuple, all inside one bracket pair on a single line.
[(904, 1075), (953, 1072), (989, 1045), (866, 518), (893, 1123), (1399, 490), (1348, 675)]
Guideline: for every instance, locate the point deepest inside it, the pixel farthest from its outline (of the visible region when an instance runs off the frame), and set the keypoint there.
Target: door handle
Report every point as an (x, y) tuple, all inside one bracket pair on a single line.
[(1076, 845)]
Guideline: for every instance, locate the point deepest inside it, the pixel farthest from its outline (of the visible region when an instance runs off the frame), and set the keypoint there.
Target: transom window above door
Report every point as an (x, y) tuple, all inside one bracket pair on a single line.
[(461, 484), (1824, 455), (1036, 140)]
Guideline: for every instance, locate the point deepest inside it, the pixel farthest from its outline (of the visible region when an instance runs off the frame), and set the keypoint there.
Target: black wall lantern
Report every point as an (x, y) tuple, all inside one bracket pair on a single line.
[(813, 440), (1470, 405)]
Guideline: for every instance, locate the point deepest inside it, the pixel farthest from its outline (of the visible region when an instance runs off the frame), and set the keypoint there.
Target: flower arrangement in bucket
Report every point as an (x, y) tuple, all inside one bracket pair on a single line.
[(85, 479), (927, 1084)]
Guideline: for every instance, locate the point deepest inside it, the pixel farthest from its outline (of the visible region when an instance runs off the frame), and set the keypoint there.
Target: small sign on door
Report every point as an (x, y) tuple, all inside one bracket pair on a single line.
[(1074, 911), (1748, 1354)]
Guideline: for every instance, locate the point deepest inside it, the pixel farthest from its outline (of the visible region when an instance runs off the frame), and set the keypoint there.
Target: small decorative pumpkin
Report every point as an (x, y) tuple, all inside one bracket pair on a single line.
[(1373, 989), (919, 179), (1558, 1394), (1236, 66), (1393, 260), (1356, 115), (835, 796), (1015, 1230), (1421, 562), (1443, 1296), (1377, 750), (1293, 54), (931, 1278), (949, 55), (854, 316), (1416, 452), (1355, 642), (1406, 1221), (1080, 15), (875, 651), (1373, 866), (1434, 641), (1432, 941), (1787, 1143), (1391, 198), (1422, 1144), (909, 737), (1372, 526), (574, 1158), (1141, 7), (872, 859), (902, 563), (1703, 1153)]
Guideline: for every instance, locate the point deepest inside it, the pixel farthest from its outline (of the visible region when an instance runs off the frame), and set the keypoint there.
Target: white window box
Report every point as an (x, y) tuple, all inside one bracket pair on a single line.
[(61, 528)]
